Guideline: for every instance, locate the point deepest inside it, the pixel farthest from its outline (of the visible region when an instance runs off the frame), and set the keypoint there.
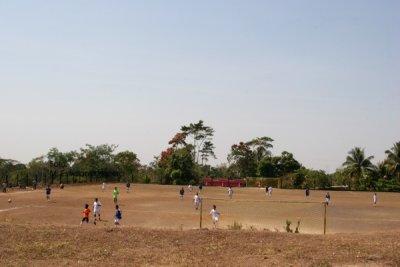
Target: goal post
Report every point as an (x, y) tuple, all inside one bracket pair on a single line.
[(308, 217)]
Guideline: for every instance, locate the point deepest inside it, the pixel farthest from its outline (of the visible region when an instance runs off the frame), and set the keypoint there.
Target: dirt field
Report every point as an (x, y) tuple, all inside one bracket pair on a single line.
[(48, 233)]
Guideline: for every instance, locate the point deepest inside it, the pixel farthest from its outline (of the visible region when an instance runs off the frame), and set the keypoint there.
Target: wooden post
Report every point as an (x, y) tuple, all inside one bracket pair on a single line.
[(201, 212), (325, 218)]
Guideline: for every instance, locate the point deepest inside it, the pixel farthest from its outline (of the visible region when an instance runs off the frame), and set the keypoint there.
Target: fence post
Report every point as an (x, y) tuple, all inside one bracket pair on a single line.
[(201, 212), (325, 218)]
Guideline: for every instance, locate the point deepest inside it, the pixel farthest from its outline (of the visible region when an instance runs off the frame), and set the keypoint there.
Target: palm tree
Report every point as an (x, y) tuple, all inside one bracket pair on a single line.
[(358, 166), (393, 160)]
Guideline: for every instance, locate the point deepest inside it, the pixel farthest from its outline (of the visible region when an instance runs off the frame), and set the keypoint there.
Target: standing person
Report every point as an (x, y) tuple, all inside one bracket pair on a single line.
[(190, 188), (117, 216), (196, 200), (307, 192), (327, 198), (214, 215), (4, 187), (270, 191), (96, 209), (103, 186), (85, 214), (375, 198), (115, 193), (128, 185), (200, 187), (48, 192), (181, 193), (230, 192), (34, 184)]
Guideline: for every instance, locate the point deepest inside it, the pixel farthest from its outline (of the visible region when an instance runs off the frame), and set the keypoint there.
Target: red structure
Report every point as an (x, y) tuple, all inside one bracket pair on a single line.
[(224, 182)]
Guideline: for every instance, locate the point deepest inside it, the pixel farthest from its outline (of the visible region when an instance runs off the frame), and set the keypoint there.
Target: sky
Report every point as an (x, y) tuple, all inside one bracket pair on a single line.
[(319, 77)]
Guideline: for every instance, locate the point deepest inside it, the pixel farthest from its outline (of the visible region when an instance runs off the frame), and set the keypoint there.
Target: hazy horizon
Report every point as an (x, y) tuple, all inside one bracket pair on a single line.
[(320, 78)]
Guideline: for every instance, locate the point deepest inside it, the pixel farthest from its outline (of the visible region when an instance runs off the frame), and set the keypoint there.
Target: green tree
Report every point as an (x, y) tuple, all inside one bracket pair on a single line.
[(393, 160), (243, 157), (201, 135), (127, 163), (358, 166)]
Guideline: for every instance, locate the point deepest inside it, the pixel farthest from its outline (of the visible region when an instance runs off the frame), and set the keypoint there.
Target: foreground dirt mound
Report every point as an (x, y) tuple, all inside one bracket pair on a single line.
[(32, 245)]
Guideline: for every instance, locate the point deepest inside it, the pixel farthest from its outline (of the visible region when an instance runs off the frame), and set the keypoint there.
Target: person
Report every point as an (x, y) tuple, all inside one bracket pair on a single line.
[(375, 199), (117, 216), (4, 187), (85, 214), (200, 187), (190, 188), (115, 193), (214, 215), (128, 185), (230, 192), (48, 192), (270, 191), (307, 192), (196, 201), (181, 193), (96, 210), (34, 184), (61, 186), (103, 186), (327, 198)]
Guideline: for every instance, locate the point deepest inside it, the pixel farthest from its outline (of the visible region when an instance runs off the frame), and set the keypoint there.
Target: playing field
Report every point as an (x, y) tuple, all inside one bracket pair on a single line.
[(159, 206)]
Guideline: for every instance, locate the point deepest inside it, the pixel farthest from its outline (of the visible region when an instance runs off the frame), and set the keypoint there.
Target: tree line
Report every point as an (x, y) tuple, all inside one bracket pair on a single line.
[(185, 160)]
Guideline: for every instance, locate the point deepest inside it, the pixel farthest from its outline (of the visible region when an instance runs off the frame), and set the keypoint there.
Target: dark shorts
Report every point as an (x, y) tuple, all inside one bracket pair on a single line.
[(85, 219)]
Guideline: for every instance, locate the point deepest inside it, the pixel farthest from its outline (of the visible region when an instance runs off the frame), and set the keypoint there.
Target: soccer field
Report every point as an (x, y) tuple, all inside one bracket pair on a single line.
[(159, 206)]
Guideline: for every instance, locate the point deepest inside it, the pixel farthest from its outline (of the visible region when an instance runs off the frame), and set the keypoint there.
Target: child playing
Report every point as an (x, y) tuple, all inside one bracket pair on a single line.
[(181, 193), (230, 192), (85, 214), (327, 198), (48, 192), (375, 199), (117, 216), (196, 201), (115, 193), (128, 185), (103, 186), (215, 216), (96, 210)]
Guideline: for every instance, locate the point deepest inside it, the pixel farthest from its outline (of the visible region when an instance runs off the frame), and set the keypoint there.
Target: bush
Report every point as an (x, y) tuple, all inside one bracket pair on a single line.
[(235, 226)]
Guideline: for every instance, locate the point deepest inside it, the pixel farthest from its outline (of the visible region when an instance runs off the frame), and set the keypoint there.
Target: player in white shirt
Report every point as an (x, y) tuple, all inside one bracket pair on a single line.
[(96, 210), (196, 201), (375, 199), (270, 191), (215, 216), (190, 187), (230, 192), (103, 186)]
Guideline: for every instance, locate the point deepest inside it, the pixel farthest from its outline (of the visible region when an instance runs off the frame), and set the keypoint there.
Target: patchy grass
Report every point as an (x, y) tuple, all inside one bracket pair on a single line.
[(41, 245)]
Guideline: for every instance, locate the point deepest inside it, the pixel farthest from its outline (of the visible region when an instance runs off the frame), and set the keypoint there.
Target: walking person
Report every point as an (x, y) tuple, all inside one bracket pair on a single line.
[(115, 194), (375, 198), (214, 216), (85, 214), (48, 192), (327, 198), (96, 210), (196, 200), (230, 192), (117, 216), (181, 193)]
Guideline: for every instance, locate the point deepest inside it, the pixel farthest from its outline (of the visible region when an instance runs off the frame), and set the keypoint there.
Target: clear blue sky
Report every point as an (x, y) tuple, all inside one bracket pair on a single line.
[(319, 77)]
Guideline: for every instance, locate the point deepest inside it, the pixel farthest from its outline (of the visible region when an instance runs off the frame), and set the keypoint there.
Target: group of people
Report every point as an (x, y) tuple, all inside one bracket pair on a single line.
[(97, 207)]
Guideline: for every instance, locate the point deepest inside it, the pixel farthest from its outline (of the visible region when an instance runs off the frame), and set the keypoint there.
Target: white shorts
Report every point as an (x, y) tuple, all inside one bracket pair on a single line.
[(96, 212), (215, 219), (117, 220)]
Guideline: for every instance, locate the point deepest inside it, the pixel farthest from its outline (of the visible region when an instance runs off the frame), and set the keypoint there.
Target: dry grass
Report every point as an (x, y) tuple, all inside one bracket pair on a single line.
[(38, 245)]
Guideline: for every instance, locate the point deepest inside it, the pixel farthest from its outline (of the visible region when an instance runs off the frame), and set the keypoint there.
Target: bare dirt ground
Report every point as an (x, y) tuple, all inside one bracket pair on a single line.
[(158, 229)]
